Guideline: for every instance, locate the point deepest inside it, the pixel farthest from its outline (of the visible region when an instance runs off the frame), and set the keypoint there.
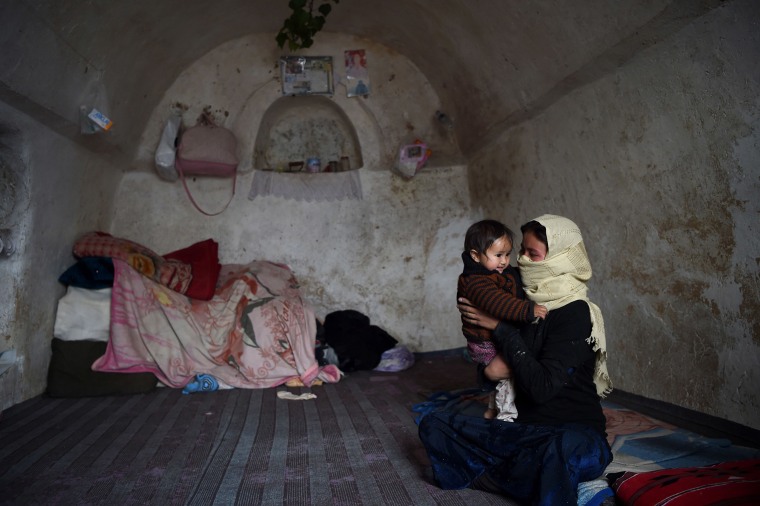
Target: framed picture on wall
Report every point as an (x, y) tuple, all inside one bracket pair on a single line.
[(306, 75)]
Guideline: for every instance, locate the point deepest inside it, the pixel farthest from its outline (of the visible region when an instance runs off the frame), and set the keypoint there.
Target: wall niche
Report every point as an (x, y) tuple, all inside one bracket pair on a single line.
[(296, 128)]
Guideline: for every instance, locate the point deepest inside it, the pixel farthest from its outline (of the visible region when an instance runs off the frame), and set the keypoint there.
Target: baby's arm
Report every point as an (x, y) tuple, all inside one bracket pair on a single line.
[(496, 301)]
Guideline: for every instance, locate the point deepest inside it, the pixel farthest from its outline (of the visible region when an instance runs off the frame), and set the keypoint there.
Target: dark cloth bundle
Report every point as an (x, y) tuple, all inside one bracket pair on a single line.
[(358, 344), (93, 273)]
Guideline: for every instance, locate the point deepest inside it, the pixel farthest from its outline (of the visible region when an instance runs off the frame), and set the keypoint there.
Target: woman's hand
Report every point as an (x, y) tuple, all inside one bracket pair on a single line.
[(475, 316)]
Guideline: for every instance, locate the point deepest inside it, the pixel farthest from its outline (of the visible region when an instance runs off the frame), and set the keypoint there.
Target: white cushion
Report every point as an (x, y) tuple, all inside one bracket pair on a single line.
[(83, 314)]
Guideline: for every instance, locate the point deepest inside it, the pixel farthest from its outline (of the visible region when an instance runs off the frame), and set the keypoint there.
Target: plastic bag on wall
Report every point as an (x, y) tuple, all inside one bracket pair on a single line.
[(411, 158), (166, 152)]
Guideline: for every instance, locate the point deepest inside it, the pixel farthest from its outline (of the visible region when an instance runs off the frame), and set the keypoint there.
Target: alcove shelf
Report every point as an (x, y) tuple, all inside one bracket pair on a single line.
[(294, 129)]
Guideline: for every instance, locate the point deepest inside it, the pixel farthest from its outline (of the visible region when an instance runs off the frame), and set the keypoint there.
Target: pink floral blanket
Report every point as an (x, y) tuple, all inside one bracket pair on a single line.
[(256, 332)]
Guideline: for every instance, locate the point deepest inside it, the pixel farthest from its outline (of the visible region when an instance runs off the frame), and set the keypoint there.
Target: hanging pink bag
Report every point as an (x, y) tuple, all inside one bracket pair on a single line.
[(207, 150)]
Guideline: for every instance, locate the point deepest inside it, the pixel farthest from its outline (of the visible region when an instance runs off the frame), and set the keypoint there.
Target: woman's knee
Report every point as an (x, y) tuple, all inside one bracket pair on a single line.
[(586, 452), (431, 426)]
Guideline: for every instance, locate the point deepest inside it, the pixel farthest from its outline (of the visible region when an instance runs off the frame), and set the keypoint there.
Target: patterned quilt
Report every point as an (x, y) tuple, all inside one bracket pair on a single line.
[(256, 332), (640, 443)]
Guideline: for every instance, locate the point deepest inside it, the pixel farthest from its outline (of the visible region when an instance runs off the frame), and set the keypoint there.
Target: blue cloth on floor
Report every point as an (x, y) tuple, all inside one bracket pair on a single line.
[(201, 383), (450, 401)]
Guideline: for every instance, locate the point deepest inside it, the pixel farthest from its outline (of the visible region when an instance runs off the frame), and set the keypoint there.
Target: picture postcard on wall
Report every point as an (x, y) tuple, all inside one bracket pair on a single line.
[(357, 73), (306, 75)]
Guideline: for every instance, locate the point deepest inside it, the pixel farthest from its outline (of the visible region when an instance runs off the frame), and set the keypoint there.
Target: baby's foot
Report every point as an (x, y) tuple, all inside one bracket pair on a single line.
[(490, 414)]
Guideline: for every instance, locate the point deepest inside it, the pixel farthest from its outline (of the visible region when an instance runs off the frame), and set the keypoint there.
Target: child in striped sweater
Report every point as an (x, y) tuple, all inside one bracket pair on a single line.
[(493, 285)]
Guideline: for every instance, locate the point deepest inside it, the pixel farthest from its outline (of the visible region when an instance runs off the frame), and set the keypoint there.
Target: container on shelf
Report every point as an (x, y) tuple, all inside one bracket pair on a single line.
[(313, 165)]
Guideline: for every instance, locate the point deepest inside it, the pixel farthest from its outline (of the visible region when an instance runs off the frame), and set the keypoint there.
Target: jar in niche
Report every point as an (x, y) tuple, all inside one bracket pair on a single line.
[(313, 165)]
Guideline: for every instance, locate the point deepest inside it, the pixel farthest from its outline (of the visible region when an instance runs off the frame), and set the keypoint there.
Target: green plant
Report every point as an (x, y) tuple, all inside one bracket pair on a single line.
[(299, 29)]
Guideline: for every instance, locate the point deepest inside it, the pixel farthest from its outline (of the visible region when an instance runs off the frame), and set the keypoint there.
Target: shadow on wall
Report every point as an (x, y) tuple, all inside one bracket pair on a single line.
[(294, 129)]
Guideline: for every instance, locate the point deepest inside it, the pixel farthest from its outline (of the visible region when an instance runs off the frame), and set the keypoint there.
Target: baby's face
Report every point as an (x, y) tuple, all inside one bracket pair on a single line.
[(497, 257)]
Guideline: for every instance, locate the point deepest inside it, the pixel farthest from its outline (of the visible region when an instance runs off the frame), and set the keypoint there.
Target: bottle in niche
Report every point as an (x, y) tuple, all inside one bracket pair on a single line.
[(313, 165), (345, 164)]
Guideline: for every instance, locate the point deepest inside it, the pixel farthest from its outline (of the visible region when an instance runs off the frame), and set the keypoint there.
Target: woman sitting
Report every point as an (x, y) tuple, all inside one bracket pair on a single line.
[(559, 367)]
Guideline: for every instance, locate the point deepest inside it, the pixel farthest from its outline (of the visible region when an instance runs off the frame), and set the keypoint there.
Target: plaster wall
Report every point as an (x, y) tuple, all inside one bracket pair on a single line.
[(659, 164), (53, 191), (656, 160), (394, 255), (487, 60), (34, 54), (240, 80)]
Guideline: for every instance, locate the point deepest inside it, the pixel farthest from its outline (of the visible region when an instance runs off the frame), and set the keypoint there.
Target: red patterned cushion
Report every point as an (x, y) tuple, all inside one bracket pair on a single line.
[(204, 257), (171, 273), (734, 483)]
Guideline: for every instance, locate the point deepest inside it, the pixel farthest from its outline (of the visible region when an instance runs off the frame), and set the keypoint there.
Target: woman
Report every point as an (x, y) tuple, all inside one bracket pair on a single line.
[(559, 367)]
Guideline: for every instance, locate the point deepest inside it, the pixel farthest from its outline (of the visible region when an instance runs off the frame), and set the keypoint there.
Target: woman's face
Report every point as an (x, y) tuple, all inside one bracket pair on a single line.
[(532, 247)]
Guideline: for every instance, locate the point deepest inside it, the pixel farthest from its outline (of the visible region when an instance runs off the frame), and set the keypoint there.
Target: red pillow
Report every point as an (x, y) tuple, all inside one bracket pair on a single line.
[(724, 483), (204, 257)]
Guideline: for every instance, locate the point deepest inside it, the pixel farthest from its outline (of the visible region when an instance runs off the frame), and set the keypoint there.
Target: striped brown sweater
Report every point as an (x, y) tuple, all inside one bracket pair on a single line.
[(500, 295)]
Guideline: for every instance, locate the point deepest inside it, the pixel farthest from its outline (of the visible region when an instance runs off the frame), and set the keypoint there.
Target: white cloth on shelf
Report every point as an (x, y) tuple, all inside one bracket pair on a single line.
[(305, 186)]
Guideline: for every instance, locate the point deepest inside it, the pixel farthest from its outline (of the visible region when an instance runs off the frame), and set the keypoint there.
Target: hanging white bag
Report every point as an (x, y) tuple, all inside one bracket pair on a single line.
[(166, 152)]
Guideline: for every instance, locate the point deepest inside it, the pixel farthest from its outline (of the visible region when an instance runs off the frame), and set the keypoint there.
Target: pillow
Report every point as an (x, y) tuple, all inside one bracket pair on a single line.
[(83, 314), (204, 258), (725, 483), (171, 273), (70, 373)]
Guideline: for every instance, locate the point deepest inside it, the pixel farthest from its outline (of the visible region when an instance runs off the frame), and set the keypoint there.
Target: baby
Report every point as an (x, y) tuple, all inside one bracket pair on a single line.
[(491, 284)]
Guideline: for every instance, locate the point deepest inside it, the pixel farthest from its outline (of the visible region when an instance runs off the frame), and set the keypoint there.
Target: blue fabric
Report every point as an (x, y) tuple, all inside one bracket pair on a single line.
[(536, 464), (201, 383), (443, 400), (92, 273)]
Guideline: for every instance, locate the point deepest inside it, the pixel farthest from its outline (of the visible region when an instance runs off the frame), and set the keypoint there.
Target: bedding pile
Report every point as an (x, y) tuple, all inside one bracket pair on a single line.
[(183, 315)]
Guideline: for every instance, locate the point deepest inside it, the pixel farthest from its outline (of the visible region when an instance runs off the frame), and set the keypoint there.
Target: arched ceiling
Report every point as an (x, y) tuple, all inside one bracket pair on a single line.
[(489, 61)]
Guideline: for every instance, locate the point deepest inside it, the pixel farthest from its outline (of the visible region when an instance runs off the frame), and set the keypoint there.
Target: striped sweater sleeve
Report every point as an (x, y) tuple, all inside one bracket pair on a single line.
[(484, 293)]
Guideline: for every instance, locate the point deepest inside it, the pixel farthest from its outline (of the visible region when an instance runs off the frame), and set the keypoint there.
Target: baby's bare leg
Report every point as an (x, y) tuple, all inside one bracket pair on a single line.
[(491, 412), (497, 369)]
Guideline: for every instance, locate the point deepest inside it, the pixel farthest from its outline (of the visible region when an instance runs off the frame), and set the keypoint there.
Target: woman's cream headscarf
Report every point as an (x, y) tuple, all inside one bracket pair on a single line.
[(561, 278)]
